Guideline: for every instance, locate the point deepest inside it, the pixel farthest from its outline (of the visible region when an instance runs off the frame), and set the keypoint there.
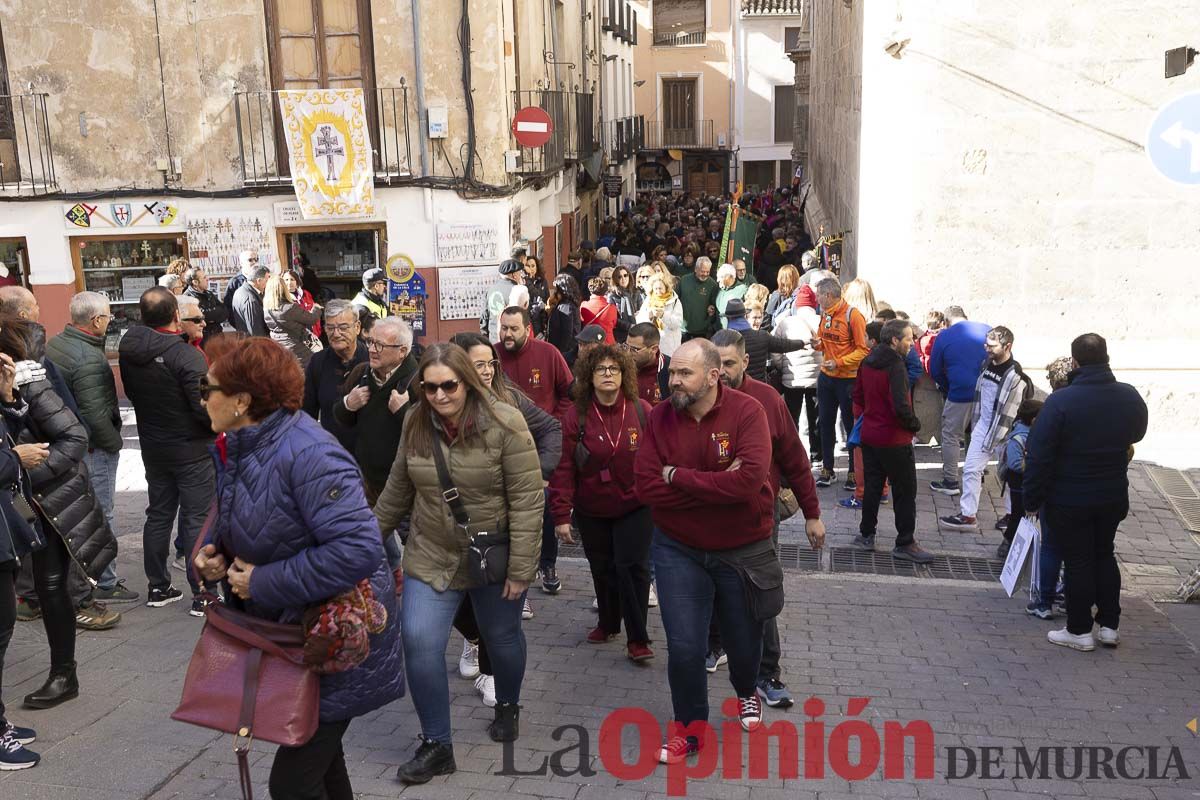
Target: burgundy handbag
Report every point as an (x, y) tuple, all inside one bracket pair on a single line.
[(247, 677)]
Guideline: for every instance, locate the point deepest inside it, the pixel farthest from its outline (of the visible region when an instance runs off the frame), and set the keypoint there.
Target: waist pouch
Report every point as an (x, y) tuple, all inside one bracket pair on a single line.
[(487, 555), (762, 577)]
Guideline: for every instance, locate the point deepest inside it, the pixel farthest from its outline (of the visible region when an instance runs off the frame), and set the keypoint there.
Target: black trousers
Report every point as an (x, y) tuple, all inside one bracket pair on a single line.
[(1084, 536), (466, 624), (316, 770), (8, 621), (618, 552), (806, 400), (185, 490), (1016, 498), (899, 466)]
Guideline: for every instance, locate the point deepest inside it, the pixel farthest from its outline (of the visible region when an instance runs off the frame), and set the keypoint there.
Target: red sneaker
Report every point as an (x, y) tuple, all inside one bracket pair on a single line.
[(638, 651), (677, 748), (599, 636)]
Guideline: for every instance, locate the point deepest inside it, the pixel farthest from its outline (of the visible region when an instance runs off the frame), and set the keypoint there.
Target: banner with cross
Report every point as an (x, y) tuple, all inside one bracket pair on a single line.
[(329, 146)]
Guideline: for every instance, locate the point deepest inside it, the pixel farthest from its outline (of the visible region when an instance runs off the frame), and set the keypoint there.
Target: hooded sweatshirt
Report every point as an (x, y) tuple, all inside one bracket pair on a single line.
[(882, 398), (161, 374)]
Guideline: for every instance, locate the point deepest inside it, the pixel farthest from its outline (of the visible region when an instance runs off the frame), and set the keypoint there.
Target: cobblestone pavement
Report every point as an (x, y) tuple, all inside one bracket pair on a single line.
[(960, 655)]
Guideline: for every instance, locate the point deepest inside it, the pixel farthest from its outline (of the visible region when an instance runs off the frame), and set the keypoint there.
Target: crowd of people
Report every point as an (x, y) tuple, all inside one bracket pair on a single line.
[(296, 451)]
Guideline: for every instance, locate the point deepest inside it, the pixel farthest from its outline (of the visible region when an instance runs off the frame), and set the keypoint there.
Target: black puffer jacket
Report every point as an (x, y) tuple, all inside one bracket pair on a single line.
[(61, 483)]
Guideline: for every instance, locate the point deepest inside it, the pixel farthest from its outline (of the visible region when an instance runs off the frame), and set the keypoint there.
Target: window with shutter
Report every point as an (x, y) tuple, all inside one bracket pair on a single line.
[(785, 112), (321, 44)]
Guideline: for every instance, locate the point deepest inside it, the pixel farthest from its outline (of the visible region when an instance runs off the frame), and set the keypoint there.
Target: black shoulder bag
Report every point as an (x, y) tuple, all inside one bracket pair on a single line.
[(487, 556)]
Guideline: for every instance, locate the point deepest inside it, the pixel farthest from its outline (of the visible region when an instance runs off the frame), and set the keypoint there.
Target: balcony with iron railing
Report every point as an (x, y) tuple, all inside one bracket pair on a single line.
[(624, 137), (676, 38), (699, 136), (263, 152), (26, 154)]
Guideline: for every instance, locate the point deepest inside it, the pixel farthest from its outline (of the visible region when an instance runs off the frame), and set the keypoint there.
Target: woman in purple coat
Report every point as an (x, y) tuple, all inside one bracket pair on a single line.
[(292, 529)]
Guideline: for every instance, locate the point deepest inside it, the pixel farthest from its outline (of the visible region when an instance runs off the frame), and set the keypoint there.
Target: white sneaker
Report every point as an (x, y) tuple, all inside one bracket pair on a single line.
[(486, 686), (526, 610), (1064, 638), (1108, 637), (468, 662), (653, 597)]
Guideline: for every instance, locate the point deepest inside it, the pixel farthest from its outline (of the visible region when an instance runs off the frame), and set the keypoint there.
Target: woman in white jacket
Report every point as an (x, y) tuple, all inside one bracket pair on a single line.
[(799, 369), (662, 307)]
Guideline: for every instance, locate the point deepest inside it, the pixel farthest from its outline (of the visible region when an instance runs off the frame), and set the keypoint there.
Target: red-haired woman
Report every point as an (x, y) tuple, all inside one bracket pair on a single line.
[(292, 530), (595, 478)]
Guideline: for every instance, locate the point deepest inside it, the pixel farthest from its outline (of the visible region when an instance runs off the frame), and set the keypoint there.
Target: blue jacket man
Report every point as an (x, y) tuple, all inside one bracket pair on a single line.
[(957, 359), (1076, 463)]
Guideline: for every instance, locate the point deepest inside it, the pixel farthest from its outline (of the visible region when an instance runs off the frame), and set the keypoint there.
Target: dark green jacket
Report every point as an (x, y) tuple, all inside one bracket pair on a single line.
[(80, 358), (696, 296)]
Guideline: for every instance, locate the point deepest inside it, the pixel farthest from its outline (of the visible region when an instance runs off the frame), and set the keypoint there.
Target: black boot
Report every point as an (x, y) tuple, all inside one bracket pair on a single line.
[(60, 686), (506, 727), (432, 758)]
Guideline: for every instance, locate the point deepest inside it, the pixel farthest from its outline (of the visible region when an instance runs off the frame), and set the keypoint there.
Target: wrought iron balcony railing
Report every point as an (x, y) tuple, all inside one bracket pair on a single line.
[(26, 152)]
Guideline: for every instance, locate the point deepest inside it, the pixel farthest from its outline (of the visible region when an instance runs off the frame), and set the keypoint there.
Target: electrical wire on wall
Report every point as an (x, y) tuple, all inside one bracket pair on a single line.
[(162, 80)]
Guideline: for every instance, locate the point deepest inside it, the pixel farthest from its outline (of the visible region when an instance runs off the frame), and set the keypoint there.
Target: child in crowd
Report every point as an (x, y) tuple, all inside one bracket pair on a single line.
[(1012, 469)]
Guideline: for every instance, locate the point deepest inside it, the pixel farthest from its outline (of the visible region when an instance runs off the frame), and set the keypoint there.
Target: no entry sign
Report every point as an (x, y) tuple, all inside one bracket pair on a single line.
[(532, 127)]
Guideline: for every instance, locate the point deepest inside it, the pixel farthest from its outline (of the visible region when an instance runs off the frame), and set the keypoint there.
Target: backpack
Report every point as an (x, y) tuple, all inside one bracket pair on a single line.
[(582, 454)]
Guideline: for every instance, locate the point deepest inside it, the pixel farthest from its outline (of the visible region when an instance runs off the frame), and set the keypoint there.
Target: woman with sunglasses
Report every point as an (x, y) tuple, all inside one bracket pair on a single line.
[(292, 530), (547, 438), (624, 295), (595, 479), (493, 465)]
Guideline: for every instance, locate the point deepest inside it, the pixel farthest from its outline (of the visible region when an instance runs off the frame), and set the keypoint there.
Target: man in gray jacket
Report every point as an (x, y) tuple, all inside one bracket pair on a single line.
[(78, 352), (248, 302)]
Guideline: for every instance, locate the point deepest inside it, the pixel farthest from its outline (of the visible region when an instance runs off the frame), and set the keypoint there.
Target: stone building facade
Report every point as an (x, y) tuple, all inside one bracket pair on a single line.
[(997, 161)]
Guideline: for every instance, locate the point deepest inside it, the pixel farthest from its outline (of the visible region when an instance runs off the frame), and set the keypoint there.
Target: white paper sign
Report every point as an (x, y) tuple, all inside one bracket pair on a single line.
[(461, 291), (1027, 531), (467, 243)]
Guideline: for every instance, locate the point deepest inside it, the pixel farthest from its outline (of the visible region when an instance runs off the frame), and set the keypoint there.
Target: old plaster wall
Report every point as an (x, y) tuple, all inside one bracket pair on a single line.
[(1002, 168), (99, 63), (835, 111)]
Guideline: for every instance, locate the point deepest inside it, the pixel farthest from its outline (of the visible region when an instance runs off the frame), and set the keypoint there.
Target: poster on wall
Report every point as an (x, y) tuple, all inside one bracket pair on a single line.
[(330, 152), (463, 243), (216, 240), (461, 291), (117, 216), (406, 292)]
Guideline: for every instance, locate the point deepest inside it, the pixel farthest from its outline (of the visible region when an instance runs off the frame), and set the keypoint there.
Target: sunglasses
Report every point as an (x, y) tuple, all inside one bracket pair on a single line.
[(206, 389), (194, 320), (448, 387)]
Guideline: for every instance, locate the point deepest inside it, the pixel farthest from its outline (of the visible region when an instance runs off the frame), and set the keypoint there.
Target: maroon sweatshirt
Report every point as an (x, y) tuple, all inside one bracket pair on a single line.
[(542, 373), (787, 453), (649, 387), (881, 397), (605, 486), (706, 505)]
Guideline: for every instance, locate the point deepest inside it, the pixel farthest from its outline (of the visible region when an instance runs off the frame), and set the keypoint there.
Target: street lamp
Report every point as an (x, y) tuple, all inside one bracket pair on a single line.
[(1178, 60)]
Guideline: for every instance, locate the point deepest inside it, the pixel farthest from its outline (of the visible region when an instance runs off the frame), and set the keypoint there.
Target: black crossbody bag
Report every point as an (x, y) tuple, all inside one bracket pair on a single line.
[(487, 555)]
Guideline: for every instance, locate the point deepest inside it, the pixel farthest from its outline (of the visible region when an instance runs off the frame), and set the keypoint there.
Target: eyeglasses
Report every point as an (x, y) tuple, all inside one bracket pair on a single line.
[(375, 344), (342, 328), (628, 348), (607, 369), (449, 387), (206, 389), (194, 320), (252, 259), (493, 364)]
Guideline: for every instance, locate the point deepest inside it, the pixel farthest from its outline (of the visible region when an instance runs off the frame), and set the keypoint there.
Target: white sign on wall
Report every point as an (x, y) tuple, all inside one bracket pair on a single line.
[(216, 240), (467, 243), (461, 291)]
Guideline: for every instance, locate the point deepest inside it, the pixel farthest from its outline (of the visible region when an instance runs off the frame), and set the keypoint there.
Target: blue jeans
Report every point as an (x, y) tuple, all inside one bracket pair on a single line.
[(689, 581), (1050, 563), (425, 619), (833, 394), (549, 541), (102, 465)]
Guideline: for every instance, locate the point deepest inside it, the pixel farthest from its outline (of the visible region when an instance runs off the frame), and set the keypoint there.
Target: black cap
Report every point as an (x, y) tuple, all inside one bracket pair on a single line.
[(735, 308), (508, 266), (591, 334)]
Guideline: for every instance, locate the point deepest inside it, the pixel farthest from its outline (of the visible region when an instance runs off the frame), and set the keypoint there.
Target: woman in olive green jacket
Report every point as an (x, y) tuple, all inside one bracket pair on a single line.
[(494, 466)]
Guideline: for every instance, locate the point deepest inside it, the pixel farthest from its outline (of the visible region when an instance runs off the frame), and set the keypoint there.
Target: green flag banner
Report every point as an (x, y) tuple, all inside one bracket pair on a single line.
[(741, 229)]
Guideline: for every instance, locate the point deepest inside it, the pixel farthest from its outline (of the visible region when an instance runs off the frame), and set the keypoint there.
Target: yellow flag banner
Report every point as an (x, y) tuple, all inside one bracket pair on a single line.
[(330, 151)]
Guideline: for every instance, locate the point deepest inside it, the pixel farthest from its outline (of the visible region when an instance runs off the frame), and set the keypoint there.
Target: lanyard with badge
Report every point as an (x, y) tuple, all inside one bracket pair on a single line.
[(605, 475)]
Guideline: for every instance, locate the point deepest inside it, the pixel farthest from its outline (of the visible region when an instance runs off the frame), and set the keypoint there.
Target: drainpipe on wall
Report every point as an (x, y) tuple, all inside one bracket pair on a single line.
[(422, 127)]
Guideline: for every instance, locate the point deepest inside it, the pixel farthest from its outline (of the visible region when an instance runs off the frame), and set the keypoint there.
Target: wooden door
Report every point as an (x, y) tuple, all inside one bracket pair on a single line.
[(679, 112), (706, 177), (322, 44)]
